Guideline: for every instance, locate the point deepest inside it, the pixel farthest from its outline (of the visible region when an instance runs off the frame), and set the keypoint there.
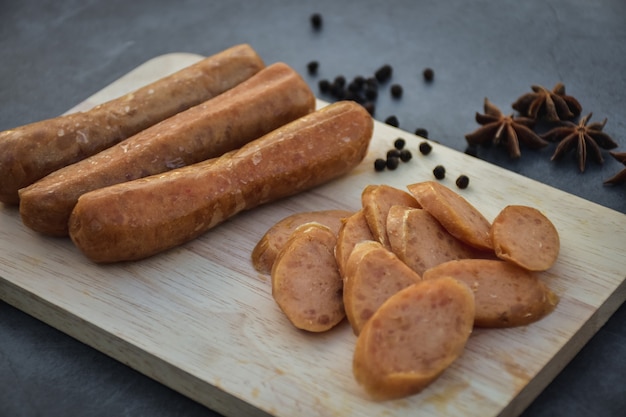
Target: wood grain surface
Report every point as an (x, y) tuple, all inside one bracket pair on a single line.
[(200, 320)]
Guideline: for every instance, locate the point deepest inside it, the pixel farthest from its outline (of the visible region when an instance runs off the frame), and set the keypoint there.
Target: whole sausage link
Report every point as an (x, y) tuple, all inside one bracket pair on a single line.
[(269, 99), (137, 219), (30, 152)]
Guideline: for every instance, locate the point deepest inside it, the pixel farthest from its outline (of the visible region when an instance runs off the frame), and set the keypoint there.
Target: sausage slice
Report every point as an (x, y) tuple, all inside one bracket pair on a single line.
[(413, 338)]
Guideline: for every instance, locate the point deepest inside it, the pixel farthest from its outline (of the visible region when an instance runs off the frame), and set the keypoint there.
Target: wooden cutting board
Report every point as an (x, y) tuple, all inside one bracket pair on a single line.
[(200, 320)]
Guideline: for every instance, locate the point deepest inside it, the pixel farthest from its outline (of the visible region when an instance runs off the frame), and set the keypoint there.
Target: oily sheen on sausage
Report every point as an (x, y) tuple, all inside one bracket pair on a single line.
[(271, 98), (32, 151), (140, 218)]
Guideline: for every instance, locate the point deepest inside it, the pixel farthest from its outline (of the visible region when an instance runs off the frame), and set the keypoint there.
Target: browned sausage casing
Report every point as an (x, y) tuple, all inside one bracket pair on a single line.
[(137, 219), (32, 151), (274, 96)]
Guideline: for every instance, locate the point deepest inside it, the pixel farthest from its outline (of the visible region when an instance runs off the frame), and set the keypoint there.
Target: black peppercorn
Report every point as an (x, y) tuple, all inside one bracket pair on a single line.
[(359, 81), (383, 73), (405, 155), (370, 107), (425, 148), (380, 164), (354, 96), (371, 93), (324, 86), (393, 153), (354, 86), (462, 182), (399, 143), (393, 162), (439, 172), (396, 91), (371, 82), (429, 74), (316, 20), (392, 121), (340, 81), (420, 131), (312, 67), (337, 91)]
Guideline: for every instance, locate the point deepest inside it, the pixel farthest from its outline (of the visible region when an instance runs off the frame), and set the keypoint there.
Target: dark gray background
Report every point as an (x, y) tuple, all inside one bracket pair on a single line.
[(54, 54)]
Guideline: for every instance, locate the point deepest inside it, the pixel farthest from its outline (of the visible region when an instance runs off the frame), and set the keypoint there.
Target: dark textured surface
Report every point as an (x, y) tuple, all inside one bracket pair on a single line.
[(57, 53)]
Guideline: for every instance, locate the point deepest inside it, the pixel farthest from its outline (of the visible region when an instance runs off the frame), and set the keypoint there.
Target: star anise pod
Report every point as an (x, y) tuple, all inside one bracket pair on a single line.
[(549, 105), (620, 177), (587, 138), (508, 130)]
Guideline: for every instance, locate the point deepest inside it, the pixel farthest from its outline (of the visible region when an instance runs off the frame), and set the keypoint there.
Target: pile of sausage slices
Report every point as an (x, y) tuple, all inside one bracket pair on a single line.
[(413, 271)]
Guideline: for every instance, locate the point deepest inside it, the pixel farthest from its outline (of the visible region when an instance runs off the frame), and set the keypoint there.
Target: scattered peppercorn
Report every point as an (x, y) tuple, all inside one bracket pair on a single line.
[(425, 148), (396, 91), (312, 67), (380, 164), (371, 82), (359, 81), (354, 86), (392, 121), (393, 162), (340, 81), (316, 20), (324, 86), (393, 153), (383, 73), (370, 107), (439, 172), (428, 74), (352, 95), (420, 131), (371, 93), (337, 88), (399, 143), (462, 182), (405, 155)]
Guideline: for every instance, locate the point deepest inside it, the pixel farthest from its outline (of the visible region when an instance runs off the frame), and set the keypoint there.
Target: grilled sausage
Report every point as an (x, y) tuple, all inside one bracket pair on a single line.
[(32, 151), (140, 218), (274, 96)]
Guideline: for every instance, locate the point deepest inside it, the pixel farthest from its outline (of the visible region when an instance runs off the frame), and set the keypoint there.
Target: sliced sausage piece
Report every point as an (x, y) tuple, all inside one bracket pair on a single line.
[(454, 212), (305, 280), (420, 241), (506, 295), (375, 274), (526, 237), (266, 250), (376, 201), (271, 98), (30, 152), (413, 338), (354, 229)]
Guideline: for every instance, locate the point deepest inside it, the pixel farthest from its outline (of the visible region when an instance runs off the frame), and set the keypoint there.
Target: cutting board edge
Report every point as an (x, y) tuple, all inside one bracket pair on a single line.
[(567, 352), (123, 351)]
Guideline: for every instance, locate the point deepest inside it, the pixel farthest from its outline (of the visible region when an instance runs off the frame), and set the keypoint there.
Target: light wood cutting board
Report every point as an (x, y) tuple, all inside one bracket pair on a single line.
[(200, 319)]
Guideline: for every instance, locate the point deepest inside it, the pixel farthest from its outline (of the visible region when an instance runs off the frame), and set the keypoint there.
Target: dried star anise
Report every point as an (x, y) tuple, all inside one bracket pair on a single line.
[(507, 130), (620, 177), (586, 138), (549, 105)]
